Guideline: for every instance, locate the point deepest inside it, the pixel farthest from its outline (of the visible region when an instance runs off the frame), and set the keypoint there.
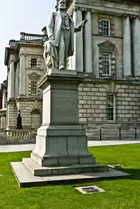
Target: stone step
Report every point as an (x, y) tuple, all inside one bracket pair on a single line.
[(26, 179), (37, 170)]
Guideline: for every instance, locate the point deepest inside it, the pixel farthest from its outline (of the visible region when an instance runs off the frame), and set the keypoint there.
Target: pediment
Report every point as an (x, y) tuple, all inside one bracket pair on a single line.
[(34, 75), (107, 46)]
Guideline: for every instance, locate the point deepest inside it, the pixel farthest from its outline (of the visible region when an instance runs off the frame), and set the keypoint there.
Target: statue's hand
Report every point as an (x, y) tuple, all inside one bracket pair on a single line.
[(51, 38), (45, 44), (80, 25)]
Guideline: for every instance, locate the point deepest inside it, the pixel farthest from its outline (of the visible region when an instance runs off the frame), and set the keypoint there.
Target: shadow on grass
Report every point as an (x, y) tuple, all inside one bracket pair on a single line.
[(135, 173)]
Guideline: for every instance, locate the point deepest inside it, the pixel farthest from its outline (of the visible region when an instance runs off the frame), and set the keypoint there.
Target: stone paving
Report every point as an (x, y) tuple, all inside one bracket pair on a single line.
[(30, 147)]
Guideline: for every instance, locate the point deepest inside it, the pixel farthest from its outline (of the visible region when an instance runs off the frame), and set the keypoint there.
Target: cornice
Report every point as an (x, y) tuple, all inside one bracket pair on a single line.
[(33, 45), (28, 99)]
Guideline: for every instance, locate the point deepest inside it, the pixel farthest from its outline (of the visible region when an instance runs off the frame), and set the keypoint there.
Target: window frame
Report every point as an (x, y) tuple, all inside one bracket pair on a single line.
[(103, 27), (33, 64), (109, 70), (113, 116), (33, 87)]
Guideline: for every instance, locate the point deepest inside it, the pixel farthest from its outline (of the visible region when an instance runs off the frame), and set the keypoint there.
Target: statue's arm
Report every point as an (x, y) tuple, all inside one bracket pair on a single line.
[(79, 26), (50, 27), (44, 30)]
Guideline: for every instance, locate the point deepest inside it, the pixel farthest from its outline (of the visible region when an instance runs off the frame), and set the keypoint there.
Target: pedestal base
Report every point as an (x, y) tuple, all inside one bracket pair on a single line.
[(61, 145), (38, 170), (26, 179)]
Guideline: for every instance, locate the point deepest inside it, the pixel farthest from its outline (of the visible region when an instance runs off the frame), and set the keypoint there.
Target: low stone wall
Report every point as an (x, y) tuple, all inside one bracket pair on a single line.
[(17, 136)]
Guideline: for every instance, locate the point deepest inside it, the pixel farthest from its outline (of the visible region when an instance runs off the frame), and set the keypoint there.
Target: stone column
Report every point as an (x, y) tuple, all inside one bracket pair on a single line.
[(8, 87), (88, 43), (11, 79), (4, 99), (76, 61), (22, 88), (126, 46), (16, 80), (136, 46), (96, 58)]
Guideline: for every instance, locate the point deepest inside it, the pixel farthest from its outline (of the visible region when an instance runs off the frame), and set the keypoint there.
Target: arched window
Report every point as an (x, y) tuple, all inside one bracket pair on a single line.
[(107, 59)]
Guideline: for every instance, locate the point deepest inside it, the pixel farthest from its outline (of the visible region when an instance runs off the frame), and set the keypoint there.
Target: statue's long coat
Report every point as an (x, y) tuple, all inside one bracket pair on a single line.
[(54, 29)]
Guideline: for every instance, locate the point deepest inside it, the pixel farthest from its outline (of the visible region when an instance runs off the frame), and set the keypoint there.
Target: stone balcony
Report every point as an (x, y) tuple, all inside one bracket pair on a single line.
[(30, 37)]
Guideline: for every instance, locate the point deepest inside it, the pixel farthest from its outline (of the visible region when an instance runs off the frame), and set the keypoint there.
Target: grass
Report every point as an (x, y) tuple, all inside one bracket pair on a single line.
[(119, 194)]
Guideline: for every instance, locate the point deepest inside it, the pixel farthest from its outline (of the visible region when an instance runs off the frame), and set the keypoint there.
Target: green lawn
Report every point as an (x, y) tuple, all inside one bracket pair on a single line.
[(120, 194)]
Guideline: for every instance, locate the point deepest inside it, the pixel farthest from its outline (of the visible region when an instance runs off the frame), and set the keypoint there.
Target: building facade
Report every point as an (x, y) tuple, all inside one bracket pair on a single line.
[(25, 67), (107, 54), (3, 100)]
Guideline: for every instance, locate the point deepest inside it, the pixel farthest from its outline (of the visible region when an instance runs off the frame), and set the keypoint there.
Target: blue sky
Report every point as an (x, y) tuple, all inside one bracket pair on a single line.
[(21, 16)]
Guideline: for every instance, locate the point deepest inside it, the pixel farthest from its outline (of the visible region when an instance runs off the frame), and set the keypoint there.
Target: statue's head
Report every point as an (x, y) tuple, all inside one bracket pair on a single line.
[(62, 4)]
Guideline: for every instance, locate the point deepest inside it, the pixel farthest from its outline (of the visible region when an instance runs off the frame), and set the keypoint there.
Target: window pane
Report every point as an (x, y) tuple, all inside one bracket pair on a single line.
[(106, 63), (105, 25), (110, 107), (33, 63), (33, 87)]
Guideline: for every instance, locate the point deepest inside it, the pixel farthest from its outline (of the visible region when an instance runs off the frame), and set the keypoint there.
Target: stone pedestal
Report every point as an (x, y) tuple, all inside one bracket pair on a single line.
[(61, 140), (61, 144)]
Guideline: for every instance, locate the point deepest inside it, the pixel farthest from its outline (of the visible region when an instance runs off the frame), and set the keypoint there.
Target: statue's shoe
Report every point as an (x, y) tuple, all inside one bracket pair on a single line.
[(61, 67)]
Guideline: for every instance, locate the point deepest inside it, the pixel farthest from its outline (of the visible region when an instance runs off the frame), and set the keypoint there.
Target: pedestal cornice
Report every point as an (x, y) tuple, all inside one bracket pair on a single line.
[(65, 76)]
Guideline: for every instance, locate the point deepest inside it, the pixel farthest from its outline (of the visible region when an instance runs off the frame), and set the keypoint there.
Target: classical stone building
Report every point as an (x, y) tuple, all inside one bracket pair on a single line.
[(25, 66), (107, 54), (109, 51), (3, 99)]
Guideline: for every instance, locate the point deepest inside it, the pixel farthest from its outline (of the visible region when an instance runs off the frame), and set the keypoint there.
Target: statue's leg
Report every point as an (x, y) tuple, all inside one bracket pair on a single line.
[(67, 44), (61, 51)]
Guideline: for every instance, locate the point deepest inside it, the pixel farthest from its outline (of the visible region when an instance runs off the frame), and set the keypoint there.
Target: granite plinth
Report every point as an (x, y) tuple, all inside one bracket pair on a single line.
[(38, 170), (26, 179)]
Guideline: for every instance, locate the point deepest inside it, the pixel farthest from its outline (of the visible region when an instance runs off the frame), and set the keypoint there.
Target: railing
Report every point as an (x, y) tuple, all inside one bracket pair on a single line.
[(31, 37), (16, 136), (115, 134)]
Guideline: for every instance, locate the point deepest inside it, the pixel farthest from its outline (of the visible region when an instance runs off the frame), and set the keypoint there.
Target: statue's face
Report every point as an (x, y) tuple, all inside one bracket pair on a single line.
[(62, 4)]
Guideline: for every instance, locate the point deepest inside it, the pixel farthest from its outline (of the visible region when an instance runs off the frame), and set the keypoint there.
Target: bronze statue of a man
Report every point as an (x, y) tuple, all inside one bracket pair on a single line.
[(60, 32)]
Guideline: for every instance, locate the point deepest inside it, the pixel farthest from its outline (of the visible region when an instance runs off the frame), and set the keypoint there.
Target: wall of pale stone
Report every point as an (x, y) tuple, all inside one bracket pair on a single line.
[(40, 70), (93, 105), (117, 22), (128, 103), (11, 115), (116, 39)]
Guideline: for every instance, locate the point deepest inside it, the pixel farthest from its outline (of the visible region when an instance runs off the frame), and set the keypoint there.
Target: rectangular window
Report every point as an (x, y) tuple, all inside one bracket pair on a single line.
[(105, 27), (110, 107), (33, 63), (33, 87), (106, 62)]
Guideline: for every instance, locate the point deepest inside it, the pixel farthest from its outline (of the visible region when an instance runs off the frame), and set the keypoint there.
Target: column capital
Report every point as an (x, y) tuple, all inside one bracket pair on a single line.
[(83, 9), (125, 15), (131, 16), (11, 61), (22, 54), (76, 8), (134, 17)]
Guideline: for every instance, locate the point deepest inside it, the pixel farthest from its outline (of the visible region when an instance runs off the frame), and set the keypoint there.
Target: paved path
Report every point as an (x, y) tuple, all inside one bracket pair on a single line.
[(30, 147)]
